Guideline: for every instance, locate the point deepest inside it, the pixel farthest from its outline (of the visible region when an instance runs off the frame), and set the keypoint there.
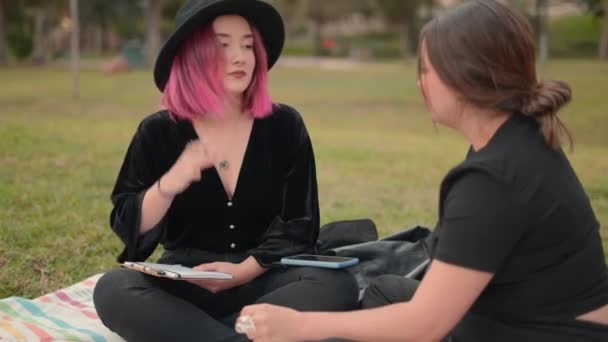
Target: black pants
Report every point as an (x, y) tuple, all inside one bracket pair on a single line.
[(140, 307), (390, 289)]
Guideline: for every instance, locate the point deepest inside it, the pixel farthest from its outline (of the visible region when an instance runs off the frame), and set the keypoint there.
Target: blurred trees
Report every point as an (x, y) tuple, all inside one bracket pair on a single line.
[(38, 30), (404, 15), (104, 23), (542, 17), (153, 14), (44, 14), (600, 9), (400, 15), (603, 47), (537, 12), (322, 11), (316, 13), (23, 23), (3, 42), (17, 29)]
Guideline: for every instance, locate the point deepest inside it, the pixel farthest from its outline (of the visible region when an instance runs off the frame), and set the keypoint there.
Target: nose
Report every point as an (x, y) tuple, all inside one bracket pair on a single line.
[(237, 55)]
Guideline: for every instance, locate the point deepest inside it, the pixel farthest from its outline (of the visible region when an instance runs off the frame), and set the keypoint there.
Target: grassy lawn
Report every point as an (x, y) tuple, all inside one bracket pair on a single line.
[(378, 156)]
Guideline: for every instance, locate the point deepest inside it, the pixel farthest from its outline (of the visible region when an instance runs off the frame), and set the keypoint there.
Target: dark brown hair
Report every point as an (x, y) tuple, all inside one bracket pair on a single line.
[(486, 53)]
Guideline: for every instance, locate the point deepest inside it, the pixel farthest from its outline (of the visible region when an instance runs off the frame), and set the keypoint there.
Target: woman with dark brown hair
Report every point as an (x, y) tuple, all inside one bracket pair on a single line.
[(517, 254)]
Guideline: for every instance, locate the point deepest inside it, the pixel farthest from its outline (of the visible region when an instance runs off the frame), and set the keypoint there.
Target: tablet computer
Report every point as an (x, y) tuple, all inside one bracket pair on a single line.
[(319, 261), (175, 271)]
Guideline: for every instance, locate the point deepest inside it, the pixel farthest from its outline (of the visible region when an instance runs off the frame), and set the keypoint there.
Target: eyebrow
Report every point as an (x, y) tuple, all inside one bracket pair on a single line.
[(226, 35)]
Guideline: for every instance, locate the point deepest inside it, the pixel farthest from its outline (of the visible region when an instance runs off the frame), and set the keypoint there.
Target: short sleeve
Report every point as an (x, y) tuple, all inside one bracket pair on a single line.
[(481, 223)]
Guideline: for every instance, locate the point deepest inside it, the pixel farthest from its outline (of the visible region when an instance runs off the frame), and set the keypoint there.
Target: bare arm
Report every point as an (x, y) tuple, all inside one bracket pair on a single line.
[(186, 170), (243, 273), (443, 298), (154, 207)]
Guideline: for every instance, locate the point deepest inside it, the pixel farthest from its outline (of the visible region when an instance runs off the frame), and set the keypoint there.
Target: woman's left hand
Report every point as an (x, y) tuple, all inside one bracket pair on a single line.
[(238, 276), (271, 323)]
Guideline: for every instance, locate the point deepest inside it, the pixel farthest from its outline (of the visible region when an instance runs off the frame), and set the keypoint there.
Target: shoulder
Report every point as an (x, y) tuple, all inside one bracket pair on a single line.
[(477, 184), (286, 117), (519, 158), (161, 130), (285, 122), (510, 158), (162, 126), (481, 197), (159, 121), (474, 174)]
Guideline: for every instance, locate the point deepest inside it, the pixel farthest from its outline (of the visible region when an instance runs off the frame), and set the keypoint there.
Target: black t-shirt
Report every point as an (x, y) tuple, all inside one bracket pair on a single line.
[(516, 209), (274, 211)]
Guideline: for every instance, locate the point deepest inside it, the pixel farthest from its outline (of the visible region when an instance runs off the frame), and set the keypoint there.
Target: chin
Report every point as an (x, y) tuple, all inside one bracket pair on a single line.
[(239, 88), (445, 122), (436, 119)]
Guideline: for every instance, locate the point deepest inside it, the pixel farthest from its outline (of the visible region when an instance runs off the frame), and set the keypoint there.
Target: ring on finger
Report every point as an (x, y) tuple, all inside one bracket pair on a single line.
[(244, 324)]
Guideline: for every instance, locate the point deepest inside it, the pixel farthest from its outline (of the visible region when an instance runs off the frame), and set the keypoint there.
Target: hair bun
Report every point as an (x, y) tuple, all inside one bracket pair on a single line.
[(547, 98)]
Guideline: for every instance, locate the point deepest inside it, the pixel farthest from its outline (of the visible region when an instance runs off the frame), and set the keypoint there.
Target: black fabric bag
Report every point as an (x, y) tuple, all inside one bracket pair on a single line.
[(344, 233), (406, 253)]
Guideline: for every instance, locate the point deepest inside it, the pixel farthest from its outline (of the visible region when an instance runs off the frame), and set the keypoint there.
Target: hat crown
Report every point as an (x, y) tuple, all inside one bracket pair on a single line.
[(190, 8)]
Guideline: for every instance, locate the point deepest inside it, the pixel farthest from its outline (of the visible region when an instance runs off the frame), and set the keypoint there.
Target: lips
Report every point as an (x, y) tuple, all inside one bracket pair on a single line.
[(238, 74)]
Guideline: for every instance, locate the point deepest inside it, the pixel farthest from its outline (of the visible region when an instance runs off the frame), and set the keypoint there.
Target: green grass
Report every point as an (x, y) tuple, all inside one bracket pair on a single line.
[(378, 156)]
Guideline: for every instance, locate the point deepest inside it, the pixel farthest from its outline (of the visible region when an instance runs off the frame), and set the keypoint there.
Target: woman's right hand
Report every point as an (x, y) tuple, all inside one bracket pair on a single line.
[(187, 169)]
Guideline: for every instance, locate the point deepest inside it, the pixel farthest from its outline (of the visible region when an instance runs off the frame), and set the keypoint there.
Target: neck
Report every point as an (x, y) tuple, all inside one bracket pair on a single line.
[(479, 126), (232, 111), (233, 104)]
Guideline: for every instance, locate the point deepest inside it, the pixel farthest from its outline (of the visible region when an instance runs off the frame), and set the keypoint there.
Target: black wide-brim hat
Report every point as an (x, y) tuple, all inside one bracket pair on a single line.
[(195, 14)]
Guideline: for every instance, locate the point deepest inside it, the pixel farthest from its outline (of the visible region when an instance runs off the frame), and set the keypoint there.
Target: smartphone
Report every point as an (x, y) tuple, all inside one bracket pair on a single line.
[(319, 261)]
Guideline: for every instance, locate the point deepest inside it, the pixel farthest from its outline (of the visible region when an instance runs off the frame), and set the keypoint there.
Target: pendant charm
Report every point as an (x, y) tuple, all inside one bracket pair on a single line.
[(224, 164)]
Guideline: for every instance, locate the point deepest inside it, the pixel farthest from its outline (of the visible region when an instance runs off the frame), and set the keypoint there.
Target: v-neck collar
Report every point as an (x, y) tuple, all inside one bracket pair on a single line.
[(214, 171)]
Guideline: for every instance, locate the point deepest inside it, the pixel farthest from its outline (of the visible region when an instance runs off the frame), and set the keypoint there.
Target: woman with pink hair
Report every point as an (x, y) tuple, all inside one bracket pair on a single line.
[(224, 179)]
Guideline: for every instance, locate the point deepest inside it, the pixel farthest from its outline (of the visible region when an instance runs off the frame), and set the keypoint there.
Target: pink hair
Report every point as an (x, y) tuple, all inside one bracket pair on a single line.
[(196, 83)]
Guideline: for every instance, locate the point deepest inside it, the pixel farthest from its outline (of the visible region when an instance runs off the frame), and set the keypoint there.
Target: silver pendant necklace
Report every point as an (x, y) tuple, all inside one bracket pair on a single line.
[(224, 164)]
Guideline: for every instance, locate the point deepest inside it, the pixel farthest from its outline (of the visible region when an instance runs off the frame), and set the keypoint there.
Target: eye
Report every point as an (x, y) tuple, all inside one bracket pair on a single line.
[(248, 46)]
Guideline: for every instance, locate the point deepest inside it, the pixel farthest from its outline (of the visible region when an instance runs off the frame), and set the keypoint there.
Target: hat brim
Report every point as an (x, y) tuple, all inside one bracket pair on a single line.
[(262, 15)]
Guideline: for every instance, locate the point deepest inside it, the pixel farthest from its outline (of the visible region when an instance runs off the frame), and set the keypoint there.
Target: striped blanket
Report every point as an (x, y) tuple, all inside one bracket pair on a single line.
[(64, 315)]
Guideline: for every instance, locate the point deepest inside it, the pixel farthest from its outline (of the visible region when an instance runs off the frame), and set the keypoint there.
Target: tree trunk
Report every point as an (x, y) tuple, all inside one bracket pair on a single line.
[(603, 47), (3, 42), (75, 49), (39, 52), (97, 41), (112, 40), (317, 38), (543, 32), (414, 36), (153, 39), (406, 44)]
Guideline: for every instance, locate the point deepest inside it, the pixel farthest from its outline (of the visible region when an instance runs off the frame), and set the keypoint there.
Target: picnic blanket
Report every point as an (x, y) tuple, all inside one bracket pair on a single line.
[(64, 315)]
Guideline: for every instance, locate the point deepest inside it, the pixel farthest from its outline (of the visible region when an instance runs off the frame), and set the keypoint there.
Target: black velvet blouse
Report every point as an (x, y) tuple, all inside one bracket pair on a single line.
[(274, 211)]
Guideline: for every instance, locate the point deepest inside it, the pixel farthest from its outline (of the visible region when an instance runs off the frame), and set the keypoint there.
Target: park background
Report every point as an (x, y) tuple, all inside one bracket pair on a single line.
[(73, 91)]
